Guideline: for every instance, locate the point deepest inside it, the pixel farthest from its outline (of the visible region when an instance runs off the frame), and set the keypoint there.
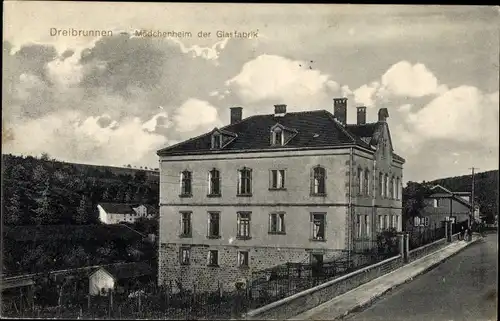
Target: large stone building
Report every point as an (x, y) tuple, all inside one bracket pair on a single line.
[(276, 188)]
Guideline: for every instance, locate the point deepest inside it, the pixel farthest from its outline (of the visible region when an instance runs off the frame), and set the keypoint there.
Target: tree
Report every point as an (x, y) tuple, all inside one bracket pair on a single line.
[(129, 195), (82, 211), (105, 195), (120, 195), (13, 209), (44, 213), (40, 174), (45, 157), (414, 195)]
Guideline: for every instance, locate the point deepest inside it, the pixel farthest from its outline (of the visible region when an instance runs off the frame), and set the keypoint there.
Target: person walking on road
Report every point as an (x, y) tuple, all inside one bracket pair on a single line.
[(462, 232)]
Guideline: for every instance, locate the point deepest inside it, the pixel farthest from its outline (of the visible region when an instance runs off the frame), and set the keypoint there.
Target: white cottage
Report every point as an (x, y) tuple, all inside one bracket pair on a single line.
[(114, 213), (118, 277)]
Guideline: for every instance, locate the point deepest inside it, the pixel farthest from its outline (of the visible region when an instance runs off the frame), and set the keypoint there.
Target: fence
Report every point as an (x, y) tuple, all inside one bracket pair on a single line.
[(278, 282), (421, 236)]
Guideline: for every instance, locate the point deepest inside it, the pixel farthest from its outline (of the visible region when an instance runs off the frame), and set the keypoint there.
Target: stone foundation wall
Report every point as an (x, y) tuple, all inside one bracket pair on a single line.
[(201, 277)]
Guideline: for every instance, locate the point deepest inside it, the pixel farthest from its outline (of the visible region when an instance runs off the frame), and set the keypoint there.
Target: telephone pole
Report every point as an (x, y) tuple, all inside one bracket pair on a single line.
[(472, 196)]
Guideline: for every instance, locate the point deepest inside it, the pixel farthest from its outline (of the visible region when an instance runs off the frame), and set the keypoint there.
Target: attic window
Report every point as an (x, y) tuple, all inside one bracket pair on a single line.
[(277, 137), (216, 141)]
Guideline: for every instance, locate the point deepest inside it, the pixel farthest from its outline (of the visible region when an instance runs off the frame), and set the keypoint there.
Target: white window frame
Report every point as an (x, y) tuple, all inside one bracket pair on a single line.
[(241, 179), (212, 214), (275, 132), (244, 217), (183, 183), (318, 177), (280, 178), (280, 223), (184, 252), (210, 258), (211, 182), (315, 228), (216, 137), (367, 225), (367, 182), (243, 258), (183, 225), (358, 226)]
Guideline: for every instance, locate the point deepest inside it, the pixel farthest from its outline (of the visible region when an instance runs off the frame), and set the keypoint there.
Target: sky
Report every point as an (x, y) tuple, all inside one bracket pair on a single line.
[(117, 99)]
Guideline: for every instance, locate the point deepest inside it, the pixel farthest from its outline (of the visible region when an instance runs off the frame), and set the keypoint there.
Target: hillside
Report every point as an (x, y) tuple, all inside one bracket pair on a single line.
[(485, 189), (44, 191)]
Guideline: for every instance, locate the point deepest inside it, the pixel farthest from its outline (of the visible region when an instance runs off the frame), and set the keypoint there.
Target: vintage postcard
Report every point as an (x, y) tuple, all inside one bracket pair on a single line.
[(249, 161)]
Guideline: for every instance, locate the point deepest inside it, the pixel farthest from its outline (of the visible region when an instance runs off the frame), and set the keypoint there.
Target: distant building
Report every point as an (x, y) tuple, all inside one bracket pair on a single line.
[(275, 188), (444, 205), (114, 213), (120, 277)]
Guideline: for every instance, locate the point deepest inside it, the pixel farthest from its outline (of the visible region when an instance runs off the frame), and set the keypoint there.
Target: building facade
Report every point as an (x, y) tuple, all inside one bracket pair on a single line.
[(271, 189), (114, 213), (444, 205)]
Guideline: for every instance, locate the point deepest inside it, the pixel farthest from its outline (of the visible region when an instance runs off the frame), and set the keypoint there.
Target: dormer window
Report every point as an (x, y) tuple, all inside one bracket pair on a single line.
[(277, 136), (216, 141)]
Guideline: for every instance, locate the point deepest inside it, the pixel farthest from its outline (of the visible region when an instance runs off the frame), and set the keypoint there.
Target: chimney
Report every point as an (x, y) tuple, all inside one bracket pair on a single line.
[(361, 115), (236, 114), (279, 110), (383, 114), (340, 109)]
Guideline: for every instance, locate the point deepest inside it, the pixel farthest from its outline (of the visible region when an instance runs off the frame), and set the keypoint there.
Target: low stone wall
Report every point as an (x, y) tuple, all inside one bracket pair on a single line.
[(429, 248), (310, 298)]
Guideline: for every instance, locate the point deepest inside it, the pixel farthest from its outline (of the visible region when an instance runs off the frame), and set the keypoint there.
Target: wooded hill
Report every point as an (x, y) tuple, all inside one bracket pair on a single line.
[(47, 191)]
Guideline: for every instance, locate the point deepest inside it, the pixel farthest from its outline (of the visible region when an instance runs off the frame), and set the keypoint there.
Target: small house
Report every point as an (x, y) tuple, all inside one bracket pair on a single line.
[(119, 277), (114, 213)]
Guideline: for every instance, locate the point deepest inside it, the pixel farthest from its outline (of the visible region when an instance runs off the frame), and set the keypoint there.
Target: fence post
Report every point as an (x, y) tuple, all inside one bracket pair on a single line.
[(401, 240), (407, 247)]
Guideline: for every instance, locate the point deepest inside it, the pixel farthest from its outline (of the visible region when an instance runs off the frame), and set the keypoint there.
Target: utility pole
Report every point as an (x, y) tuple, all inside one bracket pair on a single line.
[(472, 196)]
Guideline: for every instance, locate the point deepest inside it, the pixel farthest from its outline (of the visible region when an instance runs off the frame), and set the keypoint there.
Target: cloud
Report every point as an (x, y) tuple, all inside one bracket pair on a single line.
[(365, 94), (71, 136), (196, 116), (158, 120), (279, 79), (462, 114)]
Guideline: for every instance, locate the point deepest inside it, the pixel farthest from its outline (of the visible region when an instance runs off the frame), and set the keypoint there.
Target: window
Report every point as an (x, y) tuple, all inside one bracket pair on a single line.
[(426, 221), (186, 183), (380, 222), (243, 225), (277, 136), (318, 184), (394, 224), (277, 179), (245, 181), (416, 221), (397, 223), (391, 187), (397, 188), (185, 224), (386, 185), (381, 184), (367, 225), (185, 253), (367, 182), (360, 181), (213, 225), (277, 223), (216, 141), (386, 222), (318, 226), (243, 259), (214, 183), (213, 258), (435, 202), (358, 226)]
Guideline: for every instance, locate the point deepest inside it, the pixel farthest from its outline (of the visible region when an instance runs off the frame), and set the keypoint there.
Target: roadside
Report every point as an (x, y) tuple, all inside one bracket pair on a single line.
[(368, 292)]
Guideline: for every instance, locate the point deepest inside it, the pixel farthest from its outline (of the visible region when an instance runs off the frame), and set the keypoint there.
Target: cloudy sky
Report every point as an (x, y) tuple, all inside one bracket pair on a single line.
[(116, 100)]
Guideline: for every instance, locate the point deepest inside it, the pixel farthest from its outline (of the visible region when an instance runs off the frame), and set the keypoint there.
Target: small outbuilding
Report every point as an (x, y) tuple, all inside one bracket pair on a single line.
[(119, 277)]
